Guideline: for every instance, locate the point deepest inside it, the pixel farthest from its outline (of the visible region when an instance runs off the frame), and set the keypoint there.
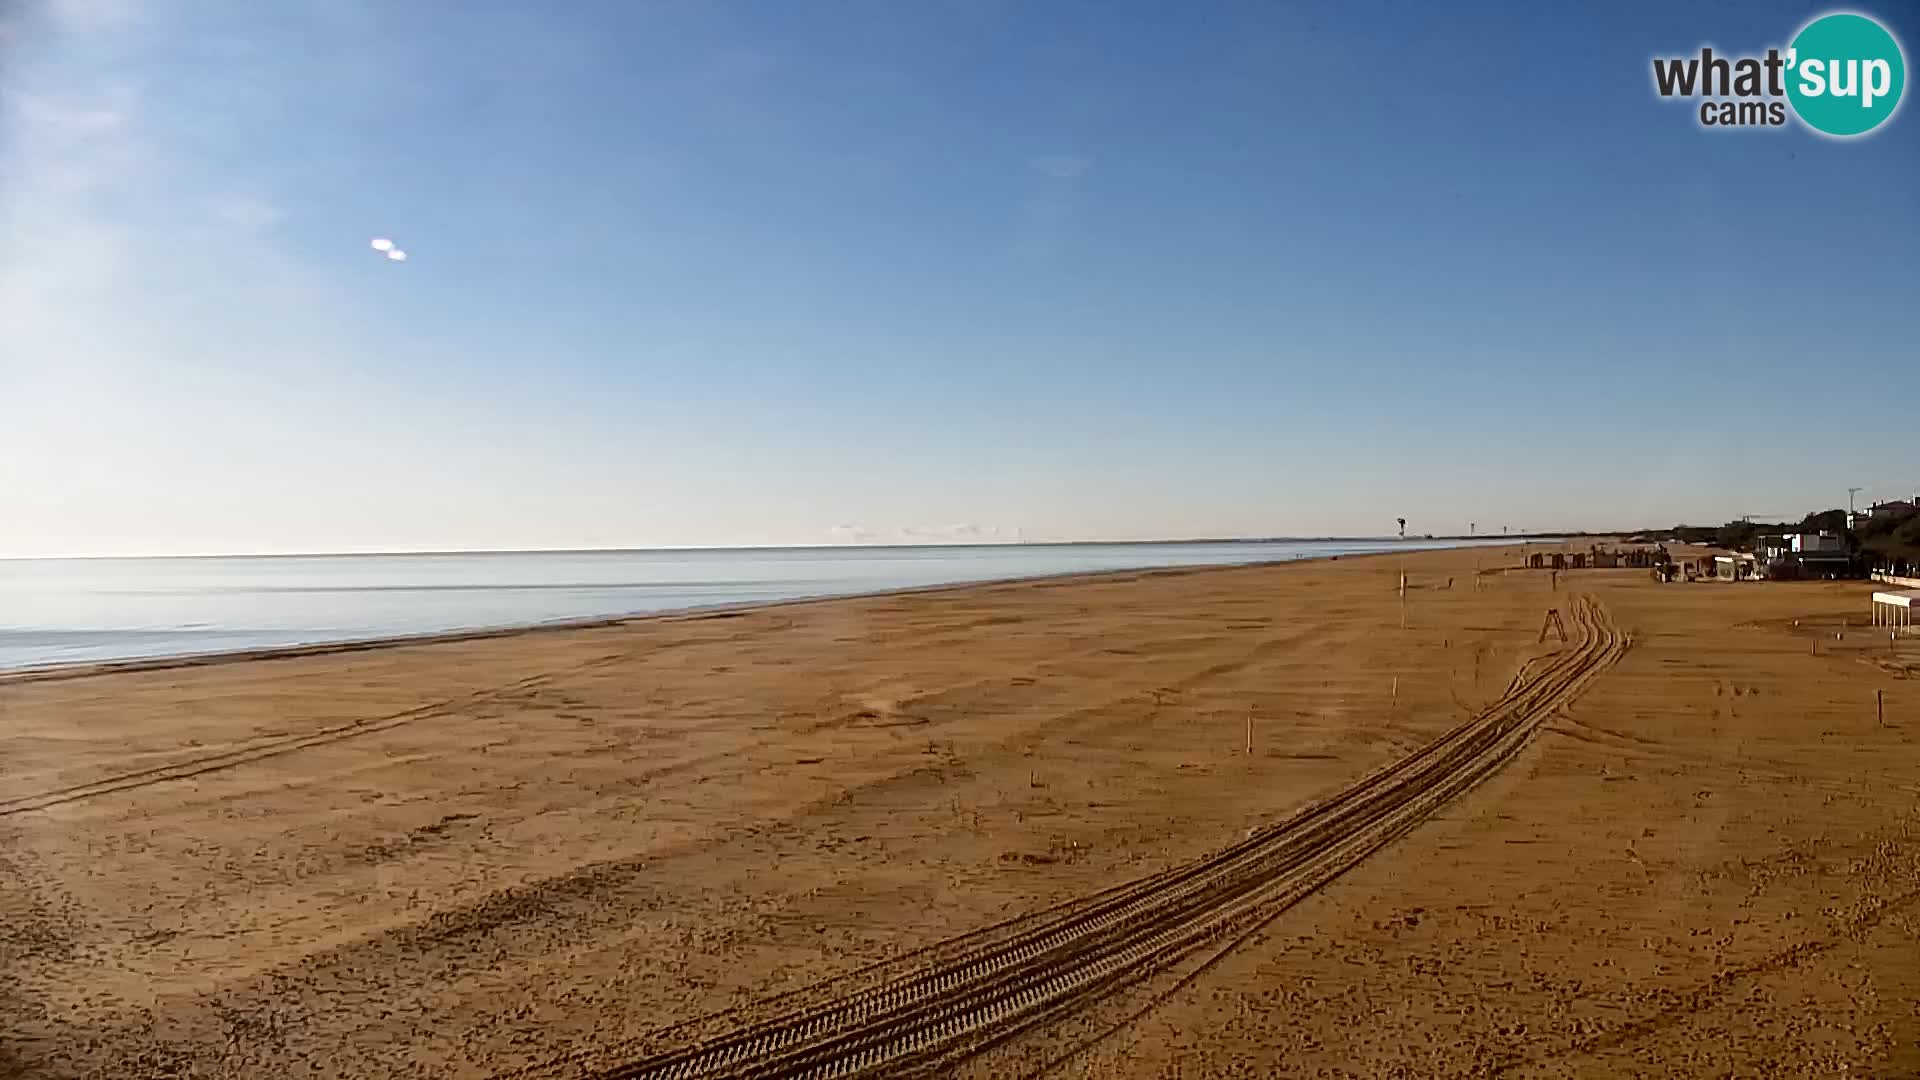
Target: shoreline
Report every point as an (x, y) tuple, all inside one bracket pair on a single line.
[(86, 669)]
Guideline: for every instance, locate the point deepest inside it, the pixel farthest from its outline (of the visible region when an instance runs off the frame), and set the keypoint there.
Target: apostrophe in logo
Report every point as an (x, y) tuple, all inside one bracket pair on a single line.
[(1843, 75)]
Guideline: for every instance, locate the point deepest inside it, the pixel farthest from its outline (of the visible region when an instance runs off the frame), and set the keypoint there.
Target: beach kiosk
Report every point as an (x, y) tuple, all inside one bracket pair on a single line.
[(1895, 609)]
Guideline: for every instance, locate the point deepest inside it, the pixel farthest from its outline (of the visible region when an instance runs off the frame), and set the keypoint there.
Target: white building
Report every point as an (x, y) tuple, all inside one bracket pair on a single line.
[(1895, 609), (1817, 544)]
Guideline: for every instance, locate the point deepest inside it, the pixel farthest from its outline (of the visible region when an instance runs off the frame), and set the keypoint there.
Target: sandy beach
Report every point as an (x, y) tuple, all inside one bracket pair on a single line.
[(1692, 846)]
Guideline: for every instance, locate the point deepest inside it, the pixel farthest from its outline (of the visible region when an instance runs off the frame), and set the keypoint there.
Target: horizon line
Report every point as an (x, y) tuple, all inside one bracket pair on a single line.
[(819, 547)]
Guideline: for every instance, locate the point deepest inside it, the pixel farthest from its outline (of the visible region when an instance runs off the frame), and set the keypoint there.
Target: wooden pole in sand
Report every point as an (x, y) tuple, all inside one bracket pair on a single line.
[(1249, 731), (1880, 707)]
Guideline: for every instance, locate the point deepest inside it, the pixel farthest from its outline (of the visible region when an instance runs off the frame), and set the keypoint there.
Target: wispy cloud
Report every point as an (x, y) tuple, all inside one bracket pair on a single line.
[(66, 152), (94, 14), (1062, 166), (151, 313), (957, 533), (67, 142), (59, 121), (961, 531), (120, 190), (248, 212)]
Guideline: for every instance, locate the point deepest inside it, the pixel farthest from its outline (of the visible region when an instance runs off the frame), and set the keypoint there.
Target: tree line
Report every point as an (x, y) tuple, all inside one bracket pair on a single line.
[(1890, 540)]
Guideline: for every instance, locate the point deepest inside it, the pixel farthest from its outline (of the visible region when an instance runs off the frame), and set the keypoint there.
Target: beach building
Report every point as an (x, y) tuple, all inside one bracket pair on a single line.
[(1816, 545), (1736, 567), (1895, 609), (1821, 554), (1895, 508), (1819, 545), (1796, 555)]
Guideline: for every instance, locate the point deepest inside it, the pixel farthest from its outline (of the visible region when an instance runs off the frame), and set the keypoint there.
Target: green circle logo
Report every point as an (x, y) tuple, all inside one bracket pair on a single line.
[(1845, 74)]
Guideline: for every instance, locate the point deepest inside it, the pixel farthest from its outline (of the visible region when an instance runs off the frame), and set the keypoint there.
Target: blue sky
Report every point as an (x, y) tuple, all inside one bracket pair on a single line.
[(699, 273)]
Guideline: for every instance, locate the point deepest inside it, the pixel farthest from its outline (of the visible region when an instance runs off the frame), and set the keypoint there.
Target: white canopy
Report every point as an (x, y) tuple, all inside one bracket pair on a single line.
[(1894, 608)]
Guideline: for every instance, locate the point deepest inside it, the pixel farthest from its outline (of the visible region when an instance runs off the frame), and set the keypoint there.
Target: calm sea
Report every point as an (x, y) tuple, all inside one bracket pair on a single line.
[(56, 611)]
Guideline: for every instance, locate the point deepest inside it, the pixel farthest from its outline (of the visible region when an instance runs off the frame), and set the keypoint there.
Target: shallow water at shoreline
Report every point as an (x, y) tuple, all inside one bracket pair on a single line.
[(58, 611)]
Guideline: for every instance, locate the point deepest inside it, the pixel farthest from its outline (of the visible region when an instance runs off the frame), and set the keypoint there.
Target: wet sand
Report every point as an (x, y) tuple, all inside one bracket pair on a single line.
[(472, 857)]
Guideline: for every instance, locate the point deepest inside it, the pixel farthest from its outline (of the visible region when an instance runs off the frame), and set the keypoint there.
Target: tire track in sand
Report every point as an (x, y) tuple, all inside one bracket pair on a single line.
[(207, 763), (954, 1000), (273, 746)]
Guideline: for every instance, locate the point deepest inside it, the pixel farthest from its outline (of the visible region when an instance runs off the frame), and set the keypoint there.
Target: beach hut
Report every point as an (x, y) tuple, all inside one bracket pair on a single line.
[(1895, 609)]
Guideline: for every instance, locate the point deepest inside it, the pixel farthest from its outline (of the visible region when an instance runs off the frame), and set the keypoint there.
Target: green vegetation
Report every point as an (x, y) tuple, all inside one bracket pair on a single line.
[(1886, 541), (1890, 541)]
